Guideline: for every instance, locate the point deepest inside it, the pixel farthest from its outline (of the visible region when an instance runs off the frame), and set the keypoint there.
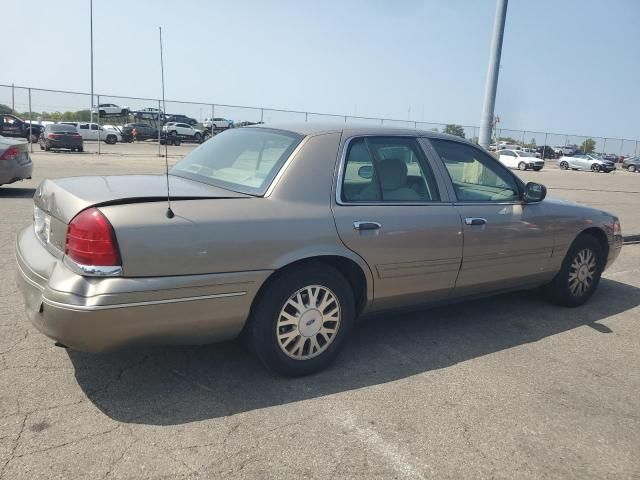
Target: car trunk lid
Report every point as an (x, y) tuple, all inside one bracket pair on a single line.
[(64, 198)]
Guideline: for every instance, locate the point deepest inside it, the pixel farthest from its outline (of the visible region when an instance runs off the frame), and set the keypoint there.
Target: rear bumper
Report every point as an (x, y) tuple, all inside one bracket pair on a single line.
[(100, 314), (12, 171), (64, 143)]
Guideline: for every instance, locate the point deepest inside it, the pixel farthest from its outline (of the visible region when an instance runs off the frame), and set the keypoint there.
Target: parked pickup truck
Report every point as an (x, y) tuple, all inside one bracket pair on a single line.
[(12, 126), (93, 131)]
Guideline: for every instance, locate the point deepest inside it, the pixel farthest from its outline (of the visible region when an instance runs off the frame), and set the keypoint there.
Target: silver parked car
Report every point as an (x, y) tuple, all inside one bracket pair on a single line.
[(15, 161), (586, 162), (287, 235)]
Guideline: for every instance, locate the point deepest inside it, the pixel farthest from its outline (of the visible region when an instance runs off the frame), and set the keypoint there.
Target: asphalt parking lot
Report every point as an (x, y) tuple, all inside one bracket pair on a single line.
[(507, 387)]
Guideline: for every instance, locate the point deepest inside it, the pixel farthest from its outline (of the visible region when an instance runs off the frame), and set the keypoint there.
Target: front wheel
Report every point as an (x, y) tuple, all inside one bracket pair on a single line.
[(301, 320), (197, 137), (580, 274), (564, 165), (632, 168), (595, 168), (522, 166)]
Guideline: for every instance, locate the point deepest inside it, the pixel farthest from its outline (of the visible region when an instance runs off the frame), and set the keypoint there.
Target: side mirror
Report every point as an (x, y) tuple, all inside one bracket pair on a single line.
[(366, 171), (534, 192)]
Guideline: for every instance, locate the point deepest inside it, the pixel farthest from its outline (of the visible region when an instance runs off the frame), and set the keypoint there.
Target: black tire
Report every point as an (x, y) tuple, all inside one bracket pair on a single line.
[(261, 331), (124, 113), (564, 165), (522, 166), (34, 138), (176, 142), (80, 149), (41, 147), (558, 291), (632, 168), (173, 133), (101, 113), (47, 147), (197, 137), (595, 168), (111, 140)]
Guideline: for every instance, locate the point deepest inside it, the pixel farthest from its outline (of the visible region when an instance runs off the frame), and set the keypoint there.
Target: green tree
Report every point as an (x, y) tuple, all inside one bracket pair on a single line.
[(453, 129), (6, 109), (588, 146)]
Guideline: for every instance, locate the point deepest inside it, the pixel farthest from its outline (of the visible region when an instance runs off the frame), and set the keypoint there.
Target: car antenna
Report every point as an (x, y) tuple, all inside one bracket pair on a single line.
[(169, 213)]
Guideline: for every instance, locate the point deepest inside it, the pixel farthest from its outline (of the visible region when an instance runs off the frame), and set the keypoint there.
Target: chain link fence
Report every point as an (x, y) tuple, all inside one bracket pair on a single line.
[(121, 114)]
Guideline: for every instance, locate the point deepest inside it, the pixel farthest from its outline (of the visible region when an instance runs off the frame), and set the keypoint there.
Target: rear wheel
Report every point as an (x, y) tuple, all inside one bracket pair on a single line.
[(47, 147), (564, 165), (80, 149), (580, 273), (301, 320), (632, 168), (111, 140), (34, 138), (522, 166), (176, 142)]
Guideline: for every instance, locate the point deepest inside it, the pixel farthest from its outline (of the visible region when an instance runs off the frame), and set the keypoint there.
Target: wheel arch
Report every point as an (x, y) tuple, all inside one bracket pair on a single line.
[(600, 235), (354, 269)]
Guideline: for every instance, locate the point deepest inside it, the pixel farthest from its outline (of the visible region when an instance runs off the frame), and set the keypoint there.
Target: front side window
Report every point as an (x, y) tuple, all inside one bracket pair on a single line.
[(475, 175), (387, 169), (84, 127), (245, 160)]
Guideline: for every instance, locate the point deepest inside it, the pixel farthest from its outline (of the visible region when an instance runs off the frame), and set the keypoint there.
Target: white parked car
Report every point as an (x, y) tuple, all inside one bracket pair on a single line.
[(217, 123), (530, 150), (93, 131), (182, 130), (520, 160), (149, 113), (110, 109)]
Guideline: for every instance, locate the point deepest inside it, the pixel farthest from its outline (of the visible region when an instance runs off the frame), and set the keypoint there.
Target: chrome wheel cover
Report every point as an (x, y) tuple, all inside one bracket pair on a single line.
[(308, 322), (582, 272)]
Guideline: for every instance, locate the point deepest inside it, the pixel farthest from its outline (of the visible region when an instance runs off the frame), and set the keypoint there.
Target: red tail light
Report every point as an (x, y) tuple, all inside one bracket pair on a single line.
[(54, 135), (10, 153), (91, 240)]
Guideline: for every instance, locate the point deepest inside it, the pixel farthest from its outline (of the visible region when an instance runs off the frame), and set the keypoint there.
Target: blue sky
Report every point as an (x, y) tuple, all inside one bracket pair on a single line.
[(567, 65)]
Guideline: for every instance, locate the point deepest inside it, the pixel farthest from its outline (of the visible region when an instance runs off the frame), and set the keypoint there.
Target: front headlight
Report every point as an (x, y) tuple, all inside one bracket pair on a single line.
[(41, 225)]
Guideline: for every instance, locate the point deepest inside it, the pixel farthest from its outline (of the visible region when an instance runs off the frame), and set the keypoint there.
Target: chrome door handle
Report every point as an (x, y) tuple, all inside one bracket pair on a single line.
[(366, 225), (475, 221)]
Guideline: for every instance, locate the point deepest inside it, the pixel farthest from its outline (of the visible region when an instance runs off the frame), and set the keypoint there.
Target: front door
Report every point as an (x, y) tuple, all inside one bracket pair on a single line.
[(507, 242), (393, 210)]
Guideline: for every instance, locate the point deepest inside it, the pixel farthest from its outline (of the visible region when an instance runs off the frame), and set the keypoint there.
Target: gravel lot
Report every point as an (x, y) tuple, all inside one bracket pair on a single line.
[(508, 387)]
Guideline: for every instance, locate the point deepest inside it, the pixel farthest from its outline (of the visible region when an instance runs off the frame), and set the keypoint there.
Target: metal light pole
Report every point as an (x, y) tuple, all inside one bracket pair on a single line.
[(91, 41), (492, 75)]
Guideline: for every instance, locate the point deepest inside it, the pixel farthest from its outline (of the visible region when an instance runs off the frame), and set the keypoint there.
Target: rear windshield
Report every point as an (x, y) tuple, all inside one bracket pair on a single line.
[(62, 128), (244, 160)]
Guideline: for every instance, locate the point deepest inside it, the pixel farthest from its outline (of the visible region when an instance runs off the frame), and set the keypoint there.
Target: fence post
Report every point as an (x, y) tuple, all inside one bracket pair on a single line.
[(345, 119), (604, 146), (544, 146), (566, 140), (13, 97), (621, 144), (382, 121), (98, 98), (635, 151), (262, 115), (160, 125), (213, 111), (306, 116), (30, 125), (523, 132)]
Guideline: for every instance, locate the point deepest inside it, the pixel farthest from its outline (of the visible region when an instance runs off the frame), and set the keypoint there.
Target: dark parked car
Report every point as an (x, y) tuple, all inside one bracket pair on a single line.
[(12, 126), (546, 151), (143, 132), (178, 118), (61, 136), (632, 164), (610, 157)]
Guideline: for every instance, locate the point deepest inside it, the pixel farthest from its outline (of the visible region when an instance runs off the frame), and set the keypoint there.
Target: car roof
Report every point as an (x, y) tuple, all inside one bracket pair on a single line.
[(311, 129)]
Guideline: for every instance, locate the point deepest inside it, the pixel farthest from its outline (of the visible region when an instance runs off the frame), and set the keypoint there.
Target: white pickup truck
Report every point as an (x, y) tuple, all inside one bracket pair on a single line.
[(93, 131)]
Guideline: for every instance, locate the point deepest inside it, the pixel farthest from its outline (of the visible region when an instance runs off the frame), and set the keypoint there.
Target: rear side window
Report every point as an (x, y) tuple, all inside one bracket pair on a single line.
[(387, 169)]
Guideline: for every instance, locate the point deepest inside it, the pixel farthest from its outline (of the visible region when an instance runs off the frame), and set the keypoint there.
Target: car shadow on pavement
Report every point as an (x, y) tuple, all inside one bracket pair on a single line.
[(176, 385), (16, 192)]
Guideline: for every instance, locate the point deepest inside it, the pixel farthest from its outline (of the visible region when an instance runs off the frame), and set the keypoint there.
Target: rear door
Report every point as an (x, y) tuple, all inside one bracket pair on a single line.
[(506, 242), (392, 209)]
